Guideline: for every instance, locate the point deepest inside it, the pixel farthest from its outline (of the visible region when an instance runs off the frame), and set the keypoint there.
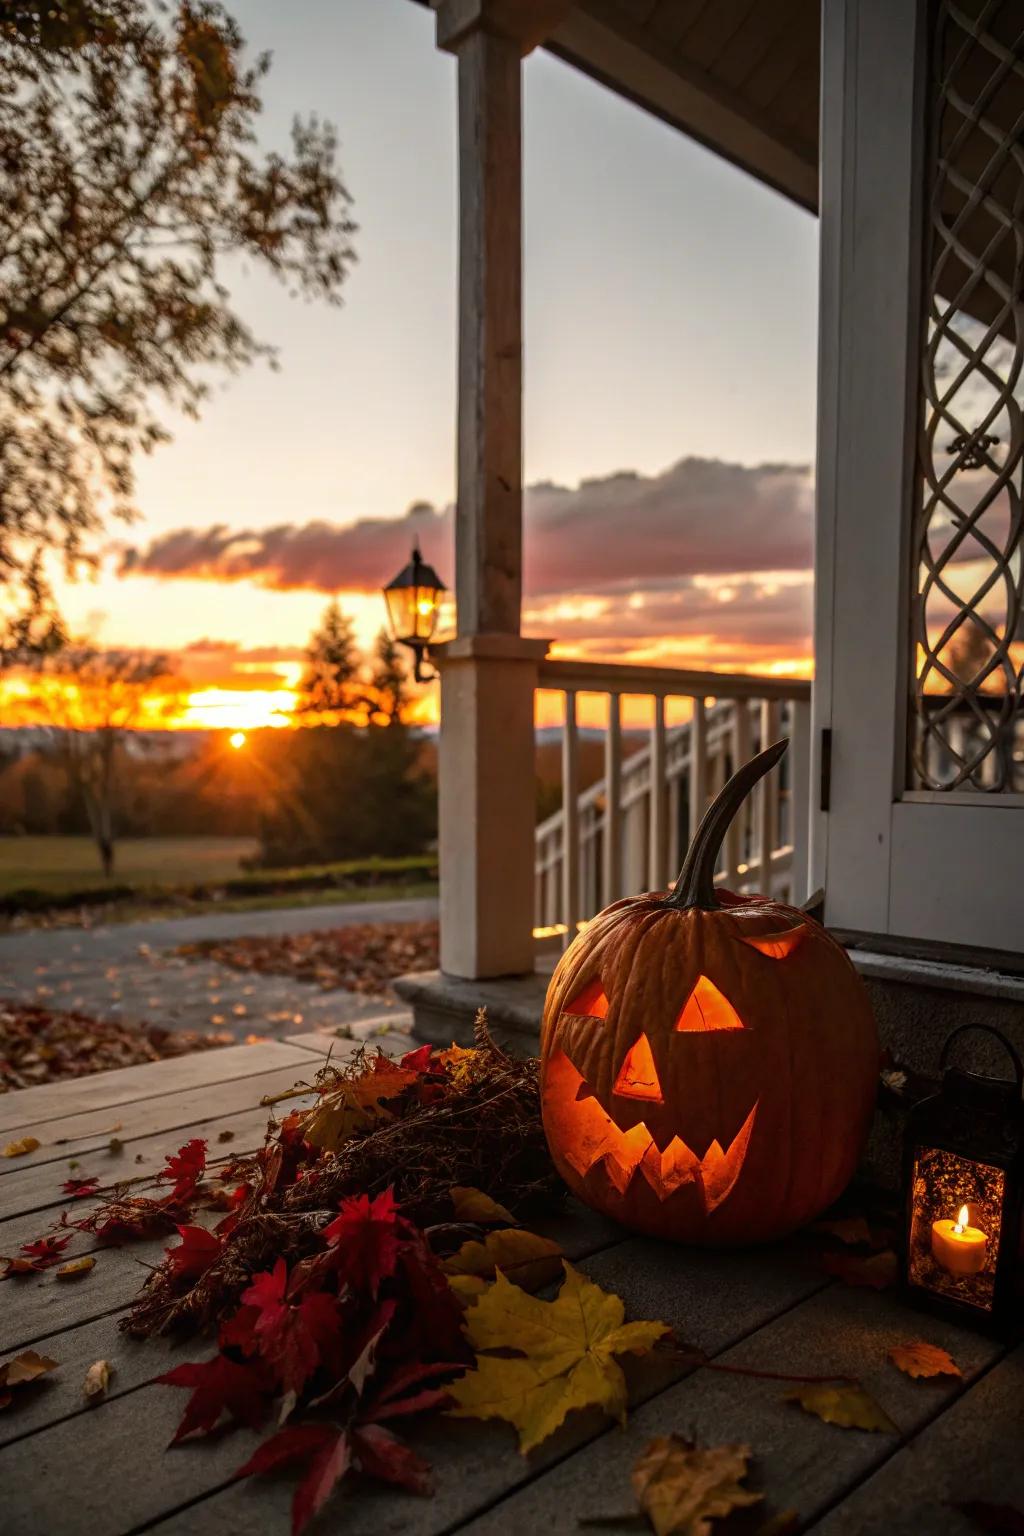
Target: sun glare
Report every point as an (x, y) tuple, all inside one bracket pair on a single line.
[(237, 740)]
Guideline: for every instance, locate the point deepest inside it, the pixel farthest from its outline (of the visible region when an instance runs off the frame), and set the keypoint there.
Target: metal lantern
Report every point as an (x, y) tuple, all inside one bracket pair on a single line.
[(413, 602), (964, 1178)]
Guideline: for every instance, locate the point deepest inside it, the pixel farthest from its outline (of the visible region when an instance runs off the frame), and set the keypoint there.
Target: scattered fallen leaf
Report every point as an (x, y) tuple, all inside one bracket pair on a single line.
[(20, 1148), (848, 1229), (115, 1145), (18, 1372), (81, 1189), (994, 1519), (473, 1205), (97, 1380), (40, 1044), (843, 1403), (564, 1355), (877, 1272), (681, 1487), (40, 1254), (225, 1136), (219, 1386), (324, 1447), (361, 957), (918, 1358), (530, 1261), (75, 1267)]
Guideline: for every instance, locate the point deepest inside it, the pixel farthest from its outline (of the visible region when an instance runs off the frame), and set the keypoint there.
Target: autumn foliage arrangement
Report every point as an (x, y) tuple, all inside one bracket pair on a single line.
[(367, 1265)]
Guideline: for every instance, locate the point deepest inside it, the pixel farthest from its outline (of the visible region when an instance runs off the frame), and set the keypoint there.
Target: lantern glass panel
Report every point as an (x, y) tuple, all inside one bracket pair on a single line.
[(955, 1226), (412, 612)]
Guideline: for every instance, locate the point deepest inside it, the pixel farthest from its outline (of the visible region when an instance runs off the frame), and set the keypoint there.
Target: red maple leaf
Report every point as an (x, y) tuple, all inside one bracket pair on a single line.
[(381, 1454), (394, 1399), (194, 1254), (184, 1168), (219, 1386), (324, 1446), (45, 1251), (365, 1235), (418, 1060), (80, 1189), (433, 1328), (293, 1339)]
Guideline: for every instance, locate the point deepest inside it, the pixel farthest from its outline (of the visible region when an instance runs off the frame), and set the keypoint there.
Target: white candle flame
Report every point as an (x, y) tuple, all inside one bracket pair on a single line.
[(962, 1220)]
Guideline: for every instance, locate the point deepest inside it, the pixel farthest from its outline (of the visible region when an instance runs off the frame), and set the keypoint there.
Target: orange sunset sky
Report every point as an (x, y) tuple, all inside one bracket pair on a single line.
[(669, 413)]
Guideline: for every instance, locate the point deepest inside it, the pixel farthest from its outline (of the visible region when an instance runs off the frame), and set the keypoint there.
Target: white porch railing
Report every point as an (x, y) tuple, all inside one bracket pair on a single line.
[(629, 831)]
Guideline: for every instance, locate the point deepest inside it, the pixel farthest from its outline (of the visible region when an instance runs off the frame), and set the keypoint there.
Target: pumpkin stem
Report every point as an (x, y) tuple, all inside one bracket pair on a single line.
[(696, 884)]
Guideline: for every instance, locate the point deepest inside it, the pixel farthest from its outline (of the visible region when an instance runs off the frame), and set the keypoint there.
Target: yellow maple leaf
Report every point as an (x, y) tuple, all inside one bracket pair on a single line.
[(917, 1358), (845, 1403), (681, 1487), (355, 1105), (564, 1355), (461, 1062), (529, 1260), (20, 1148), (473, 1205)]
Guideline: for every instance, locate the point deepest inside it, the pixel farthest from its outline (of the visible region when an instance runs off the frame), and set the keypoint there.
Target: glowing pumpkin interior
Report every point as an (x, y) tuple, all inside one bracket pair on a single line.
[(593, 1138)]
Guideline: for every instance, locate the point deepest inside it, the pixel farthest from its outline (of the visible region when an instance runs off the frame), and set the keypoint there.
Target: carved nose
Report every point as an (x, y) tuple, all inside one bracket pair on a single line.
[(638, 1076)]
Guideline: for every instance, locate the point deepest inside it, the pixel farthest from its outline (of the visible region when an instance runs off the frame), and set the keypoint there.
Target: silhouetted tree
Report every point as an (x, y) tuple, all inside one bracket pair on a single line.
[(389, 681), (329, 683), (128, 173), (93, 698)]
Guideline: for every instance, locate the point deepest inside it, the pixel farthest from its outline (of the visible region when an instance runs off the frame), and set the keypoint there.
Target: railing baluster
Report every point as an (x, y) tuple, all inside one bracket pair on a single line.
[(799, 755), (656, 859), (571, 822), (768, 816), (612, 872), (698, 764), (735, 839)]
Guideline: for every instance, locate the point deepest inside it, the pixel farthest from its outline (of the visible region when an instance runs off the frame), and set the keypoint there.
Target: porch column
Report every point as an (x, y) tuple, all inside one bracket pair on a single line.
[(489, 672)]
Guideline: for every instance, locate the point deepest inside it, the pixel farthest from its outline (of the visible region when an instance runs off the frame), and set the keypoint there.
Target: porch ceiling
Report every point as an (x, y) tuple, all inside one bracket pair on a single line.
[(740, 76)]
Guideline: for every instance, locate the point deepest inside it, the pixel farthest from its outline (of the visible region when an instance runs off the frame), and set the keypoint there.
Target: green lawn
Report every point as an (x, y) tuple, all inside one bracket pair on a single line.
[(71, 863)]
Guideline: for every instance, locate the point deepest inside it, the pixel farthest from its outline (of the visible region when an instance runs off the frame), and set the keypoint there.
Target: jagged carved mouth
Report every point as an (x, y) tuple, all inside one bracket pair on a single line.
[(592, 1137)]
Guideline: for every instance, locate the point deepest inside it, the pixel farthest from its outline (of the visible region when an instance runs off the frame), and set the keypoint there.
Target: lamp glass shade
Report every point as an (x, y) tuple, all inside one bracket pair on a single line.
[(413, 602)]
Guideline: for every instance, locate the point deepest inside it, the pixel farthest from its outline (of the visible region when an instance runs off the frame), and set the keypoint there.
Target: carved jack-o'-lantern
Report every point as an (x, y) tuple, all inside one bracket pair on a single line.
[(708, 1061)]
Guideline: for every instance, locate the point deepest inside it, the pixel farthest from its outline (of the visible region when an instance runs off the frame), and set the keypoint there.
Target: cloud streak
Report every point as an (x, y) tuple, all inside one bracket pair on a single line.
[(700, 517)]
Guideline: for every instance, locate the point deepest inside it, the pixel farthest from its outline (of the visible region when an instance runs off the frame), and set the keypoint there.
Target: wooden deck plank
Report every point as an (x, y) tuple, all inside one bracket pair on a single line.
[(972, 1452), (800, 1462), (77, 1135), (35, 1306), (387, 1038), (581, 1233), (39, 1189), (126, 1085), (712, 1298), (73, 1135)]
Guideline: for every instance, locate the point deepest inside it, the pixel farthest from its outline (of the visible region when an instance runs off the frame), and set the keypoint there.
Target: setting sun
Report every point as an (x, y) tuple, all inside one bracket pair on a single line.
[(237, 740)]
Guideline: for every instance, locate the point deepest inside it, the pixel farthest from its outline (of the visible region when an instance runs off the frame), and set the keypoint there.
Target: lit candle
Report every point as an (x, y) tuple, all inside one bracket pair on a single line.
[(959, 1248)]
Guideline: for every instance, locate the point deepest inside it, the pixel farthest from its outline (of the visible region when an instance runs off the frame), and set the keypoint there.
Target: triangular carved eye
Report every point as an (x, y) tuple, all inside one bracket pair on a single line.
[(778, 945), (706, 1008), (591, 1002), (638, 1076)]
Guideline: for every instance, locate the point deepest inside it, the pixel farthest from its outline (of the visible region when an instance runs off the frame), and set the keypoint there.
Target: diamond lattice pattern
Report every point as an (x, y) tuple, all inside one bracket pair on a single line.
[(968, 608)]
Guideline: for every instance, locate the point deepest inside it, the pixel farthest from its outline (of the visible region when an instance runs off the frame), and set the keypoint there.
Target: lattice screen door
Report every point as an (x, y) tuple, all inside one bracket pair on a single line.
[(920, 605)]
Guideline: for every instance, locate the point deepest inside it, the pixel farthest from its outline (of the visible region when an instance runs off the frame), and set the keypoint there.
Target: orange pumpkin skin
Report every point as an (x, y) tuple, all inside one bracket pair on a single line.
[(708, 1072)]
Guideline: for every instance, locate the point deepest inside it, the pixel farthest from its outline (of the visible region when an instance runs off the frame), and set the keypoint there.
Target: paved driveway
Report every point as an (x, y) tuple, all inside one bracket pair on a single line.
[(129, 971)]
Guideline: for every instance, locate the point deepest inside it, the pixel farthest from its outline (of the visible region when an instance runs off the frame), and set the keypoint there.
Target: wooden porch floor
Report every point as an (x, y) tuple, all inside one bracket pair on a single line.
[(105, 1471)]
